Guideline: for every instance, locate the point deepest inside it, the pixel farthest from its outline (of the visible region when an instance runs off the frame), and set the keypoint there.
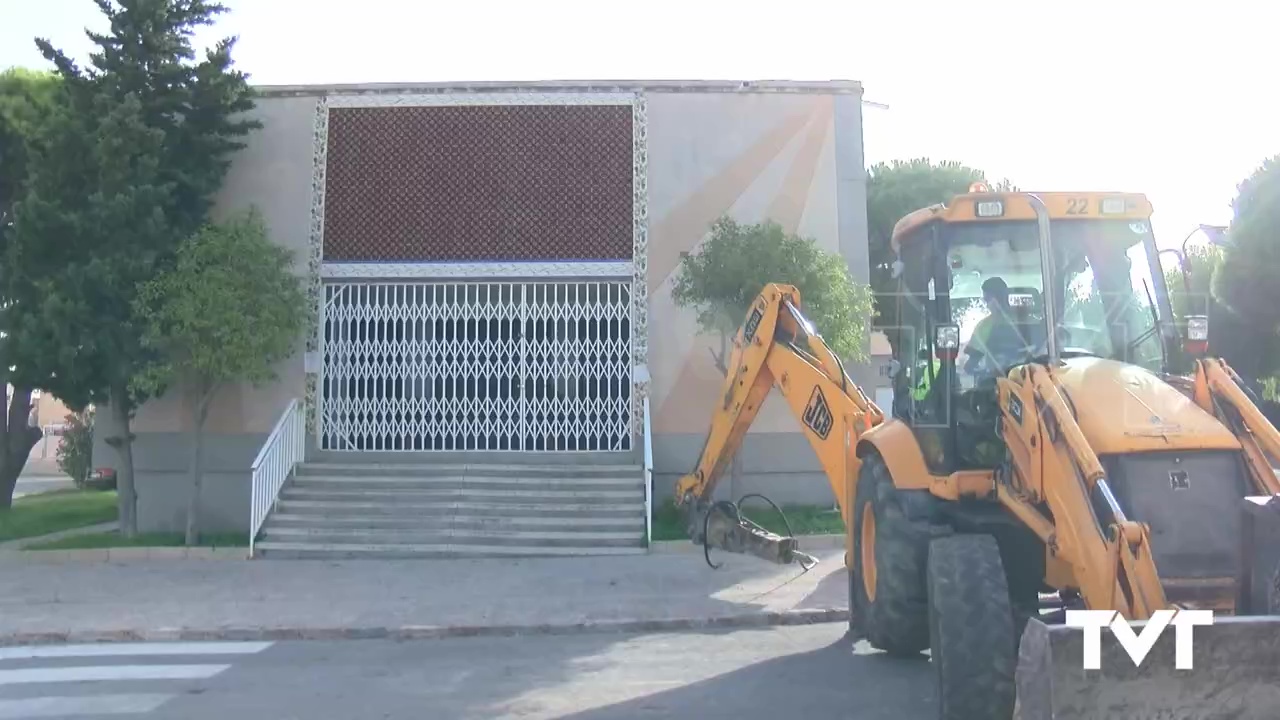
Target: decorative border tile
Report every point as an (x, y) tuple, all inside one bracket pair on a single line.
[(558, 270), (362, 100), (319, 165), (639, 256)]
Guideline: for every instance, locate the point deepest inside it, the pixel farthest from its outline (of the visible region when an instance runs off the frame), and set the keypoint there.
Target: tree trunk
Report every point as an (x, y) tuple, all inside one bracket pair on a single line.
[(17, 439), (9, 472), (199, 412), (123, 444), (722, 359)]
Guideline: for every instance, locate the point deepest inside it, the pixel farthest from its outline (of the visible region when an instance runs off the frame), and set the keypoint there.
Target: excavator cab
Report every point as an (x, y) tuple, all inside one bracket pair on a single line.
[(1048, 450), (973, 271)]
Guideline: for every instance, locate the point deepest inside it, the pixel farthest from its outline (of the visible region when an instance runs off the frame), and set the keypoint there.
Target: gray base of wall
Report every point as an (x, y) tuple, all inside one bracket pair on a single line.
[(780, 466), (161, 462)]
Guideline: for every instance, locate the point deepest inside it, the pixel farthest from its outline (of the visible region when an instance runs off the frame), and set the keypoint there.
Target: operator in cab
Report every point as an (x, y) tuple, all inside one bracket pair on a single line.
[(996, 336)]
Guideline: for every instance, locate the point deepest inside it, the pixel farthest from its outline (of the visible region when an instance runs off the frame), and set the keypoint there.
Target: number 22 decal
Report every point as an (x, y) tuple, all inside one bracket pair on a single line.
[(1077, 206)]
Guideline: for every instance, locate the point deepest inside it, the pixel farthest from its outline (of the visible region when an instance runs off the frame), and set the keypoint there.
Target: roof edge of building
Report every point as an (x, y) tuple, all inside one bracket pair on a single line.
[(822, 87)]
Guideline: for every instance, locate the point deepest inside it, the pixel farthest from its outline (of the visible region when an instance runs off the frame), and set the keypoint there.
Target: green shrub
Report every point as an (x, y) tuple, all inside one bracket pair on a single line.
[(75, 452), (726, 274)]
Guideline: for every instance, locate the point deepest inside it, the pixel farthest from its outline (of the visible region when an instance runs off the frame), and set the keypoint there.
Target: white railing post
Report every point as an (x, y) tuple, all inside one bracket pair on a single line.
[(280, 454), (648, 474), (640, 379)]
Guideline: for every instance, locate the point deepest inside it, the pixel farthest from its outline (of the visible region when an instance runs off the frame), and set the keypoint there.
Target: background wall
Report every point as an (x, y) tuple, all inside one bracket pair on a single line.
[(792, 158)]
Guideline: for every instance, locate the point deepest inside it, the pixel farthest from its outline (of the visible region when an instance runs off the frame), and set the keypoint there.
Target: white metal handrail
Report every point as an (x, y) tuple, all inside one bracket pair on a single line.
[(648, 473), (275, 462)]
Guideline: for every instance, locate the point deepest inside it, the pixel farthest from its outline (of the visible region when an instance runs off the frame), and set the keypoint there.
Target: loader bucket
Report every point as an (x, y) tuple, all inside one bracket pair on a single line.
[(1236, 660), (1236, 675)]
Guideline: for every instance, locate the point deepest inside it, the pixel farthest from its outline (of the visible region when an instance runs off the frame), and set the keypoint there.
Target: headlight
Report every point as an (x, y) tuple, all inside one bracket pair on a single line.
[(1114, 206), (989, 208)]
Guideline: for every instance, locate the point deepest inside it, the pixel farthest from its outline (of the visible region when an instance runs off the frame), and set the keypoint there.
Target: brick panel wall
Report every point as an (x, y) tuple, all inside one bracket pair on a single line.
[(479, 184)]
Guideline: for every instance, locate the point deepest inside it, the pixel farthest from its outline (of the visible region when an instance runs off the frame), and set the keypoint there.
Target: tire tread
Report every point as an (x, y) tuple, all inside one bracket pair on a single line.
[(973, 641)]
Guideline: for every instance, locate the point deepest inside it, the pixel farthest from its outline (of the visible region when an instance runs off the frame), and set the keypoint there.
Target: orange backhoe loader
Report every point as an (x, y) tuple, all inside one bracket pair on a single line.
[(1058, 441)]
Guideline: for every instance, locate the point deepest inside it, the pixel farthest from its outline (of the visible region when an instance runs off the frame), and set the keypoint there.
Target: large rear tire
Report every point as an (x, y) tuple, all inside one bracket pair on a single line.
[(973, 645), (887, 584)]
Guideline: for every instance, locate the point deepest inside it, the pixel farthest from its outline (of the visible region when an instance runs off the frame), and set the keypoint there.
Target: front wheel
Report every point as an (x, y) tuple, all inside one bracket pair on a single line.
[(887, 593), (972, 640)]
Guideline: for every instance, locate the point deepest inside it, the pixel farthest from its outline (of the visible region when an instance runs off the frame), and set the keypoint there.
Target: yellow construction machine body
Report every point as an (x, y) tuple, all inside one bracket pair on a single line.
[(1110, 464)]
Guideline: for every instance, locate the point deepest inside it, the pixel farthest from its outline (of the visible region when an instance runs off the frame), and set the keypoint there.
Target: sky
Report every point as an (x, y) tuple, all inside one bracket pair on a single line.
[(1166, 98)]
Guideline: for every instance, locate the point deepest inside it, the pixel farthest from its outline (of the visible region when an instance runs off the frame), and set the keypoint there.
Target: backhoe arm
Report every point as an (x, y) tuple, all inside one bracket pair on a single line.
[(775, 347), (1219, 390), (1053, 466)]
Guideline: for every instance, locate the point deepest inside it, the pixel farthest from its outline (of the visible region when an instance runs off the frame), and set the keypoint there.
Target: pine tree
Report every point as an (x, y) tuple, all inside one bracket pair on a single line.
[(117, 181), (26, 99)]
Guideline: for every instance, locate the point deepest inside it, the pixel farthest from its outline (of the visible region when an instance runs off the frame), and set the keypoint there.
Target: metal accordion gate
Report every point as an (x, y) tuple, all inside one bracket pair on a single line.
[(476, 365)]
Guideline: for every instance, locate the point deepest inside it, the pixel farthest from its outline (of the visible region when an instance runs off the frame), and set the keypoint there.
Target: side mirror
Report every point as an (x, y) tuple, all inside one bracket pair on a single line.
[(946, 338)]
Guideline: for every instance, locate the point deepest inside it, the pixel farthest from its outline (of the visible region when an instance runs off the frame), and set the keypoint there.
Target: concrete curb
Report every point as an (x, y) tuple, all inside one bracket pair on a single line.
[(426, 632), (106, 555), (807, 543), (666, 547)]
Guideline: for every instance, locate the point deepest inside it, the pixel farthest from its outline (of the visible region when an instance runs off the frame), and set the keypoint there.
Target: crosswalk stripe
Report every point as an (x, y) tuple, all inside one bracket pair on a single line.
[(44, 707), (28, 652), (109, 672)]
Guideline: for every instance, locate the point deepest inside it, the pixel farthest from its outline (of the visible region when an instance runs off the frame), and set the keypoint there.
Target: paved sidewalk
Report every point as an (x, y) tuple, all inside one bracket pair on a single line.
[(280, 599)]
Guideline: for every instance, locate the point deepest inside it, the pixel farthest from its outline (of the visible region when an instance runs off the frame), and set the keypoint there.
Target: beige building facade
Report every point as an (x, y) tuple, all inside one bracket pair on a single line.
[(491, 267)]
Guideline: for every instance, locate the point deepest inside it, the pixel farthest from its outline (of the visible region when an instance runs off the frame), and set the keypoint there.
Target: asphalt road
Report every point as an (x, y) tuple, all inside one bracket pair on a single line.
[(772, 674)]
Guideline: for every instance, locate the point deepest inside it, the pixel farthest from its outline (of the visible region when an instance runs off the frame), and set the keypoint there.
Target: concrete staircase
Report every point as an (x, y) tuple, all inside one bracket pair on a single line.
[(346, 509)]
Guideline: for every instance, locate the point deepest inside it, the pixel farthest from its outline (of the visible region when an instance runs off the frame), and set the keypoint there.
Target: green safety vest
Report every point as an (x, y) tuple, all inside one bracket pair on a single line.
[(921, 390)]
